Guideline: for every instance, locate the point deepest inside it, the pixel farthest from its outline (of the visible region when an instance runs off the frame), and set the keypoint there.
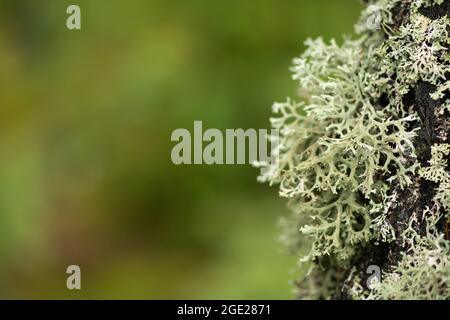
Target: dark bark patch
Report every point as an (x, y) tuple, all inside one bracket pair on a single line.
[(400, 14), (437, 11), (425, 107)]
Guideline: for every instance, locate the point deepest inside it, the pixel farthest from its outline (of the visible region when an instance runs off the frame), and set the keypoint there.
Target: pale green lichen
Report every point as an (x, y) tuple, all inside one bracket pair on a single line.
[(438, 173), (350, 137), (424, 271), (331, 156), (417, 52)]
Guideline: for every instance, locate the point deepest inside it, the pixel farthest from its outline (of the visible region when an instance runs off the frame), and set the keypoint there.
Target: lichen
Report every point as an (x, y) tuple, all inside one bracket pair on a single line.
[(423, 272), (348, 146), (437, 172)]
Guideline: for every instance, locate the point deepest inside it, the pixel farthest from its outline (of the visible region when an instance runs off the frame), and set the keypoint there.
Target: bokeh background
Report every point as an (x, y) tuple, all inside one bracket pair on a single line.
[(85, 124)]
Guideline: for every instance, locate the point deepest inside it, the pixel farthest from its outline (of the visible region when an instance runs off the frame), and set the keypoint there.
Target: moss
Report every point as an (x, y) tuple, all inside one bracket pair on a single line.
[(357, 136)]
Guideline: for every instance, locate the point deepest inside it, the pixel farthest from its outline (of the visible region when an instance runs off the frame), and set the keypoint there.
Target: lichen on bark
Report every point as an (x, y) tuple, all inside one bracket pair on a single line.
[(364, 156)]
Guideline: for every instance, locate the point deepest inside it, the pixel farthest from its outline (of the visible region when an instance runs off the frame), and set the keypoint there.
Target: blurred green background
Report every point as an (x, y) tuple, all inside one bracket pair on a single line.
[(85, 124)]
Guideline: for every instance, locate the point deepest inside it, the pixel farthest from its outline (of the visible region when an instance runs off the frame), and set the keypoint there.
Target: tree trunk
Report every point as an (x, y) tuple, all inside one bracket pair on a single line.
[(367, 169), (421, 193)]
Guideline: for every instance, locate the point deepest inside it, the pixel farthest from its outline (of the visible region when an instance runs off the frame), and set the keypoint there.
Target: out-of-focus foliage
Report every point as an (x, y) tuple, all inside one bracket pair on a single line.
[(85, 123)]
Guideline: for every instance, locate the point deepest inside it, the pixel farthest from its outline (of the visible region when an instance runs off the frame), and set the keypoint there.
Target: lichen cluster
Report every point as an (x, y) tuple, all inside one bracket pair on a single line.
[(422, 273), (437, 173), (351, 144)]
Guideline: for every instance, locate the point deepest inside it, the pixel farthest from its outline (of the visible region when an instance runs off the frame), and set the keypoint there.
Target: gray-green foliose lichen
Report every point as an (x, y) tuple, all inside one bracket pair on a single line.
[(349, 144)]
